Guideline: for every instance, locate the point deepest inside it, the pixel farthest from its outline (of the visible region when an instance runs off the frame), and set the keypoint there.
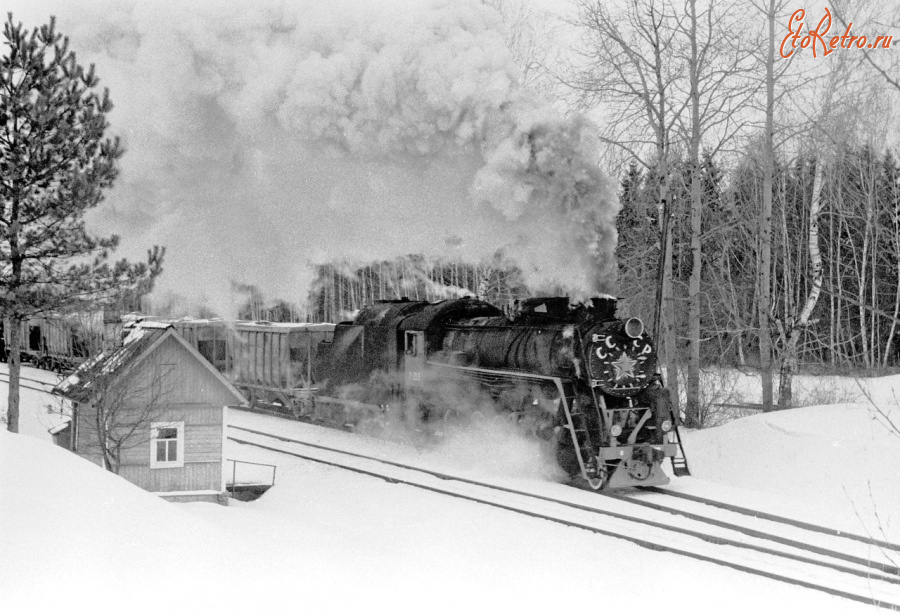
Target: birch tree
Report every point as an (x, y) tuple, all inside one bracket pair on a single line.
[(821, 139)]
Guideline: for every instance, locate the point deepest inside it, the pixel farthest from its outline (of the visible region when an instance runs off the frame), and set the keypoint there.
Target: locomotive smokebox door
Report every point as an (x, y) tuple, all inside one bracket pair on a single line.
[(414, 359)]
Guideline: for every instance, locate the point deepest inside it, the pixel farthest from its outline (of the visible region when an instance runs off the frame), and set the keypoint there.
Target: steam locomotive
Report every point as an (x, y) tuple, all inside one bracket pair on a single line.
[(575, 373), (572, 374)]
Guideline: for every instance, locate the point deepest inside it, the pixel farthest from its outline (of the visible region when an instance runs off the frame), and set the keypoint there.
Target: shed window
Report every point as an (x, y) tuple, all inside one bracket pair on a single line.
[(167, 445)]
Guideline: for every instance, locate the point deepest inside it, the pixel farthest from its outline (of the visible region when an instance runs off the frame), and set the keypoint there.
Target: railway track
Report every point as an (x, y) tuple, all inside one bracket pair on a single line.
[(45, 388), (694, 507), (814, 557)]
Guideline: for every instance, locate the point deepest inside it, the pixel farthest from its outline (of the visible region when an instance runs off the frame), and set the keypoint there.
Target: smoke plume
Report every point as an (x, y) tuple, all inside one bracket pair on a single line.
[(268, 136)]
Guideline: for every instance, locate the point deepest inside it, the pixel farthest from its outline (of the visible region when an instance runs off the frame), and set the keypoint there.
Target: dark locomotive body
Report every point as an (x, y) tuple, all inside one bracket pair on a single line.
[(575, 374)]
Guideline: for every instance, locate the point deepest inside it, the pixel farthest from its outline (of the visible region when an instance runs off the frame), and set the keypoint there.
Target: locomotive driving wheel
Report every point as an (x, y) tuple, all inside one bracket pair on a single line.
[(598, 473)]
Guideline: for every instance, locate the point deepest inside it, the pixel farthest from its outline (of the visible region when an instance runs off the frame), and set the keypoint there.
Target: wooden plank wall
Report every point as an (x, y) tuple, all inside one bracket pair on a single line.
[(186, 379), (192, 477), (193, 395), (203, 454)]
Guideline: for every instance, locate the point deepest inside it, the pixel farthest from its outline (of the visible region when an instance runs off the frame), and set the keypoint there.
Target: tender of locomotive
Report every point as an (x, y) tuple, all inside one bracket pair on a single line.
[(574, 373)]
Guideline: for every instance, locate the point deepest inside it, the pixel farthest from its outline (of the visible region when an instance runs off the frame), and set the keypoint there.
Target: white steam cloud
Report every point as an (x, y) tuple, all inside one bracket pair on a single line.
[(264, 137)]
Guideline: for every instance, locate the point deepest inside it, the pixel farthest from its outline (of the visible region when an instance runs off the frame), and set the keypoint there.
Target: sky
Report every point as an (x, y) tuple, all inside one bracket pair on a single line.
[(263, 138)]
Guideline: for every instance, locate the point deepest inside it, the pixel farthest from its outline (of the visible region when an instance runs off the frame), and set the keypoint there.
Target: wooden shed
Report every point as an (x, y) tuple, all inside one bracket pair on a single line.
[(154, 409)]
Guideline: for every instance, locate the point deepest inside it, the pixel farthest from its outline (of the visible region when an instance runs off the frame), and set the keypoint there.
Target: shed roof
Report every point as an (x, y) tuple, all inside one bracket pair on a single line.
[(61, 427), (142, 338)]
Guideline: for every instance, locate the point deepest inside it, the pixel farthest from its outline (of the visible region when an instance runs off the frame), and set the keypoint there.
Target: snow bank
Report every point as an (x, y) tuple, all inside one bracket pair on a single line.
[(75, 535), (833, 464)]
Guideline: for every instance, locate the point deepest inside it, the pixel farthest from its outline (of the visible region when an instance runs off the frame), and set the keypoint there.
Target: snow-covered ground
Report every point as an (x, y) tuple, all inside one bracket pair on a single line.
[(322, 540), (41, 412)]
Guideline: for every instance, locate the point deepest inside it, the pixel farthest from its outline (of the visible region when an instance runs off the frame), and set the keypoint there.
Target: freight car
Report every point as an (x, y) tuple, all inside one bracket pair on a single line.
[(271, 362), (61, 342), (573, 371)]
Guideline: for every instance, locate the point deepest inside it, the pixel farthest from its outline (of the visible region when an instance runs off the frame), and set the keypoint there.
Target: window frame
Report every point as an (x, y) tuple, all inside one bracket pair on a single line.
[(179, 446)]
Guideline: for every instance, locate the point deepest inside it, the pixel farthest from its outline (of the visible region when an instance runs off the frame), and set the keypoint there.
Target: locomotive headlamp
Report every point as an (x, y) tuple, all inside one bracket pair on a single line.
[(666, 425), (634, 327), (615, 431)]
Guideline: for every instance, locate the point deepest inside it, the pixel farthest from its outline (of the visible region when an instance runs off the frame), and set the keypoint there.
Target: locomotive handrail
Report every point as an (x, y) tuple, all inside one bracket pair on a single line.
[(488, 370)]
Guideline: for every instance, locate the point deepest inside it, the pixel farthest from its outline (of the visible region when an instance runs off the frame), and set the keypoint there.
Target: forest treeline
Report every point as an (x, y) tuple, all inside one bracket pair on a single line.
[(760, 221), (853, 325), (340, 289)]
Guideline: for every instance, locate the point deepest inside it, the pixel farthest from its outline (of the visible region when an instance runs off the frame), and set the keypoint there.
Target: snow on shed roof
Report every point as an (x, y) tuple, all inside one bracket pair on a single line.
[(81, 385), (61, 427)]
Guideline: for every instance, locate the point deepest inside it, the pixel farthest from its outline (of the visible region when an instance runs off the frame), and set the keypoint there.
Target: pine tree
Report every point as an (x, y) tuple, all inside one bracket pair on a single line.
[(55, 164)]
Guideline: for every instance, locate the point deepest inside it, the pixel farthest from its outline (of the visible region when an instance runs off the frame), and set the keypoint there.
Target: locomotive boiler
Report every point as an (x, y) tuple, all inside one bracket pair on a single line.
[(574, 374)]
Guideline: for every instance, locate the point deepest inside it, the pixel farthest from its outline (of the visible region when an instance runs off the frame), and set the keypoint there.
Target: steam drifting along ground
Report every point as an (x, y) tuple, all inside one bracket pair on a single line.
[(264, 137)]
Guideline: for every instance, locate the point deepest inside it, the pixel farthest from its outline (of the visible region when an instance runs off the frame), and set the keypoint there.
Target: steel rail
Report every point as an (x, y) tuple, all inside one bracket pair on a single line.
[(632, 539), (888, 568), (764, 515), (6, 375), (25, 386), (620, 516), (865, 562), (862, 561)]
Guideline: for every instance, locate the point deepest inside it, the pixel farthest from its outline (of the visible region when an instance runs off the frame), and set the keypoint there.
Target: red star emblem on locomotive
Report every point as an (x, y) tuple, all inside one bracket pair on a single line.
[(624, 367)]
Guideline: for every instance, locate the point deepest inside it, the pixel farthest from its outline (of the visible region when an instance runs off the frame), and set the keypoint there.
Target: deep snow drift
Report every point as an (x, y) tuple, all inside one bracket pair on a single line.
[(323, 540)]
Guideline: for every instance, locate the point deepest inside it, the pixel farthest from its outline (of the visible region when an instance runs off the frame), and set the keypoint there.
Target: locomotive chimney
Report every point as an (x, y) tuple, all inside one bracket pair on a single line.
[(553, 307)]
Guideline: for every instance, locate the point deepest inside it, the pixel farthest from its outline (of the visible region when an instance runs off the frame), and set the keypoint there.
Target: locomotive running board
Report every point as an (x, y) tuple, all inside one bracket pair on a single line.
[(595, 483)]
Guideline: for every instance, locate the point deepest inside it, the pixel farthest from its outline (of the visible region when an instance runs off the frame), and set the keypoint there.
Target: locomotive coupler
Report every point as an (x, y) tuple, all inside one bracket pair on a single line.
[(648, 454)]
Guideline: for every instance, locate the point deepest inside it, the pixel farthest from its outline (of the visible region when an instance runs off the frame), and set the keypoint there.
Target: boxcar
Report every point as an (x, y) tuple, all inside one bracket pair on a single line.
[(61, 342)]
